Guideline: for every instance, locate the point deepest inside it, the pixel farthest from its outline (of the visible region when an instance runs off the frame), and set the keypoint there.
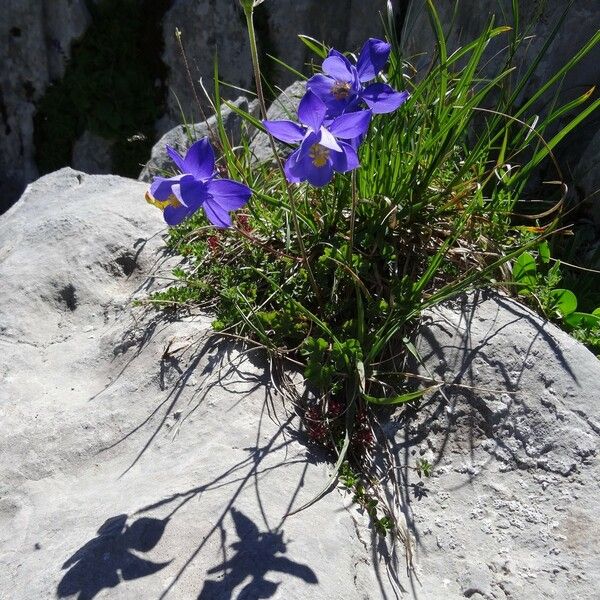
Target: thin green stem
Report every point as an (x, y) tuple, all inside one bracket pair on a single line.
[(352, 218)]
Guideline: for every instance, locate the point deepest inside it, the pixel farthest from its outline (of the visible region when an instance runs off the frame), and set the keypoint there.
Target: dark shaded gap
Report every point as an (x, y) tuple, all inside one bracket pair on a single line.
[(113, 87)]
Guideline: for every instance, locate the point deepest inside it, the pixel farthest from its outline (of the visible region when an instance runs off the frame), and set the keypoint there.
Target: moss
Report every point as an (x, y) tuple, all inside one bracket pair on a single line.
[(113, 86)]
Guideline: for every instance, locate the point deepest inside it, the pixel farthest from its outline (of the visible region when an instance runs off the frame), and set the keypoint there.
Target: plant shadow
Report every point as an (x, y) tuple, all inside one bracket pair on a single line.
[(462, 416), (109, 559), (256, 554)]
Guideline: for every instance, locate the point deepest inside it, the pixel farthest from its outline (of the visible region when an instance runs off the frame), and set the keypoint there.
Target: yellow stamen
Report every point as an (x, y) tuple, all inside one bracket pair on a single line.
[(162, 204), (341, 90), (319, 155)]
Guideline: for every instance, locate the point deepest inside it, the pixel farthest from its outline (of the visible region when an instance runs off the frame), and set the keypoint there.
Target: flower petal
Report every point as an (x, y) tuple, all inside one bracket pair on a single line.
[(321, 85), (339, 161), (174, 215), (228, 194), (336, 65), (311, 110), (161, 187), (381, 98), (175, 157), (286, 131), (372, 58), (351, 125), (317, 176), (200, 160), (297, 165), (190, 192), (307, 143), (289, 167), (328, 140), (344, 161), (217, 215)]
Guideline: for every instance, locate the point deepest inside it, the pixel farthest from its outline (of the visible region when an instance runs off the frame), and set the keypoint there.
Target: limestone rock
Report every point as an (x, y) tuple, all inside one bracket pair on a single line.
[(512, 507), (538, 20), (587, 178), (179, 137), (36, 42), (92, 154), (141, 458), (138, 457), (207, 29)]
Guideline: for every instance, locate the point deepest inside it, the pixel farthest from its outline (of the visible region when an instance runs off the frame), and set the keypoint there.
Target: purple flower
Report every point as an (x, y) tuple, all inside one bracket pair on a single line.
[(322, 149), (181, 196), (341, 85)]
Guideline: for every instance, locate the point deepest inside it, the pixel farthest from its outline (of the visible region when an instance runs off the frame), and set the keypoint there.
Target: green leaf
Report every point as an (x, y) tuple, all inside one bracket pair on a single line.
[(544, 251), (564, 301), (525, 272), (317, 47), (402, 398), (550, 144), (583, 320)]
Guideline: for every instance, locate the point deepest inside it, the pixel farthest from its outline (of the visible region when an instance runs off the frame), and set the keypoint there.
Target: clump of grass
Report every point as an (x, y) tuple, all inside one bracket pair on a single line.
[(333, 280)]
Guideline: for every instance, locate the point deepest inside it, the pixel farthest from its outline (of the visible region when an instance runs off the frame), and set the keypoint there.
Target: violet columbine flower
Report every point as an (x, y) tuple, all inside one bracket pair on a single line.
[(341, 85), (322, 147), (181, 196)]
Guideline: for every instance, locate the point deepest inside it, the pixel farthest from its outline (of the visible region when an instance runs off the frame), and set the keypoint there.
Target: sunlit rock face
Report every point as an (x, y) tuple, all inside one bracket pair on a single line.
[(35, 45), (139, 456)]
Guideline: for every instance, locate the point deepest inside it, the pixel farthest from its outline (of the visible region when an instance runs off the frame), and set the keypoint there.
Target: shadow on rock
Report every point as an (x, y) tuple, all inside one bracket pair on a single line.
[(108, 560), (256, 554)]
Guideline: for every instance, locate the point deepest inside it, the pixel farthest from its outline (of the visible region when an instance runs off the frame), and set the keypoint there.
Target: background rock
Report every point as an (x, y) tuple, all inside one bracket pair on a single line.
[(38, 38), (210, 28), (35, 45), (587, 177), (92, 154), (538, 20)]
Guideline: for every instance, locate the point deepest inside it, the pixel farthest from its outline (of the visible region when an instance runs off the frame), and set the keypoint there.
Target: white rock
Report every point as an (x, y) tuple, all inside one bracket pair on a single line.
[(531, 443), (116, 475), (118, 479)]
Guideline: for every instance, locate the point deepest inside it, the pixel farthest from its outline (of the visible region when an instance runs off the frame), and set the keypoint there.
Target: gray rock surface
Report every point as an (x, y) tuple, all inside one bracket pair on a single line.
[(35, 44), (587, 177), (284, 107), (179, 137), (138, 459), (207, 28), (92, 154), (141, 459), (512, 508)]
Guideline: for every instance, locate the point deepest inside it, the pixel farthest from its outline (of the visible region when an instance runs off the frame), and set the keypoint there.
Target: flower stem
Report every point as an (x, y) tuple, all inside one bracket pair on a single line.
[(352, 218), (249, 13)]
